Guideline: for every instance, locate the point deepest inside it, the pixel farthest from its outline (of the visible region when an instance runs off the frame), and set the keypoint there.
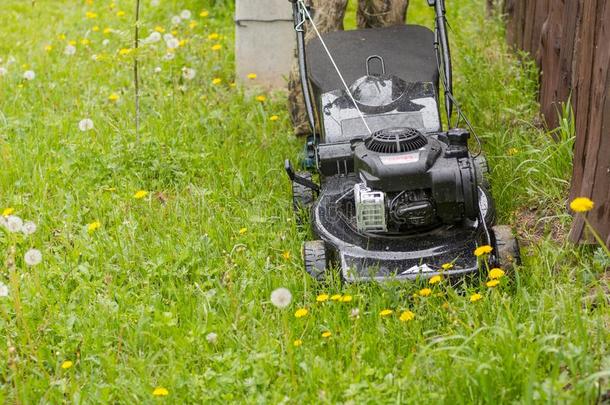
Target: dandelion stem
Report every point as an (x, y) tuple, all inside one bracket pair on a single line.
[(596, 235), (136, 76)]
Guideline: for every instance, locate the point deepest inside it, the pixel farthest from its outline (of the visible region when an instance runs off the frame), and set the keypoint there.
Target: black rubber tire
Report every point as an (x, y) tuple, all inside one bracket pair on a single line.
[(506, 247), (302, 198), (314, 259)]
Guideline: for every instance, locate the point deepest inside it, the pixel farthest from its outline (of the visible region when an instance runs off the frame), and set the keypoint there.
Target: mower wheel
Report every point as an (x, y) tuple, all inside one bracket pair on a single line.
[(506, 247), (314, 258), (302, 197)]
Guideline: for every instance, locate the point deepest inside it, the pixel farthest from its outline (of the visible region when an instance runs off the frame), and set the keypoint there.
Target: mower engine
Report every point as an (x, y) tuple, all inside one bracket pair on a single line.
[(411, 181)]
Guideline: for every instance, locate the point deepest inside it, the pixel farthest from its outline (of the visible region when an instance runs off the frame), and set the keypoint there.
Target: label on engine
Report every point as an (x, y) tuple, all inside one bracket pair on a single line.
[(400, 159)]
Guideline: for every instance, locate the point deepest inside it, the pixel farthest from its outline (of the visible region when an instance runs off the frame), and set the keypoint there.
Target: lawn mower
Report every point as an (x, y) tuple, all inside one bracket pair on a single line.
[(399, 195)]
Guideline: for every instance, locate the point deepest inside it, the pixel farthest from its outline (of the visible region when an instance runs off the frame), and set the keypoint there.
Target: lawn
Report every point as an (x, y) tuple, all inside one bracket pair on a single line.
[(160, 249)]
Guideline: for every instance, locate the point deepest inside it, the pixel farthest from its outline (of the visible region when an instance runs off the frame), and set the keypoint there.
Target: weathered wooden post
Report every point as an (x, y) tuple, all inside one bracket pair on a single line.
[(264, 41)]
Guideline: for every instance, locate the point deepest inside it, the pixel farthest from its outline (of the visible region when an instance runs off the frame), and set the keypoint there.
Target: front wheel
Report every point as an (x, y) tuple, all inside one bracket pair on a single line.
[(314, 259)]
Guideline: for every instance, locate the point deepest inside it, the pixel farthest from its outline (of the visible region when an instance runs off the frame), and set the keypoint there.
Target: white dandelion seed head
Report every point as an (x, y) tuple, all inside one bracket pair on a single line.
[(281, 297), (105, 42), (154, 37), (3, 71), (168, 56), (69, 50), (354, 313), (85, 124), (212, 338), (94, 57), (154, 3), (28, 228), (176, 20), (188, 73), (32, 257), (29, 75), (11, 60), (172, 43), (158, 69), (167, 37), (3, 290), (185, 14), (14, 223)]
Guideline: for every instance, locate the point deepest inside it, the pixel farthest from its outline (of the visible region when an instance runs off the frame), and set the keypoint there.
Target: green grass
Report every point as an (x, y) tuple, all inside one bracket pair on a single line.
[(131, 303)]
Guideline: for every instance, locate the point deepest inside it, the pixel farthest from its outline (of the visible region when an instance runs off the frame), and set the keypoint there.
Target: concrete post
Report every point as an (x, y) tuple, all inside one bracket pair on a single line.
[(264, 42)]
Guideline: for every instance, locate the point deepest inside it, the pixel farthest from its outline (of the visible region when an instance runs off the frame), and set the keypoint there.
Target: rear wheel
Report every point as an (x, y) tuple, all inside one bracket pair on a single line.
[(302, 198), (314, 258), (506, 247)]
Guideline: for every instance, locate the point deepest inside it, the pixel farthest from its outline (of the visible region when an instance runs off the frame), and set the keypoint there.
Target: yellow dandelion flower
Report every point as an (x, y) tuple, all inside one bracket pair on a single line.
[(125, 51), (407, 316), (204, 13), (192, 24), (90, 15), (159, 29), (261, 98), (95, 28), (322, 298), (346, 298), (297, 343), (217, 47), (447, 266), (326, 334), (140, 194), (512, 151), (475, 297), (445, 305), (286, 255), (48, 48), (114, 97), (216, 80), (482, 250), (66, 364), (182, 42), (274, 118), (93, 226), (85, 41), (243, 231), (7, 211), (492, 283), (301, 312), (581, 204), (335, 297), (425, 292), (160, 392), (496, 273), (435, 279), (72, 42), (61, 37), (251, 76), (386, 312), (213, 36), (120, 13), (107, 30)]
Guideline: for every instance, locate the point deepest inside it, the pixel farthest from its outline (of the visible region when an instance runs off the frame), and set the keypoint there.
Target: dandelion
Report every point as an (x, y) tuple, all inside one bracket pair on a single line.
[(581, 204), (176, 20), (496, 273), (3, 290), (281, 297), (125, 51), (301, 312), (69, 50), (90, 15), (475, 297), (243, 231), (326, 334), (251, 76), (7, 211), (95, 28), (346, 298), (105, 42), (140, 194), (297, 343), (354, 313), (48, 48), (335, 297), (168, 56), (447, 266), (482, 250), (216, 47), (85, 124), (406, 316), (66, 364), (185, 14), (28, 228), (212, 338), (154, 3), (204, 13), (213, 36), (386, 312), (172, 43), (160, 392), (93, 226), (216, 80), (512, 151), (322, 298), (3, 71), (114, 97), (435, 279), (29, 75), (159, 29), (261, 98), (107, 30), (274, 118), (425, 292), (188, 73), (492, 283), (14, 223), (286, 255), (120, 13), (85, 42), (32, 257), (154, 37), (158, 69)]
